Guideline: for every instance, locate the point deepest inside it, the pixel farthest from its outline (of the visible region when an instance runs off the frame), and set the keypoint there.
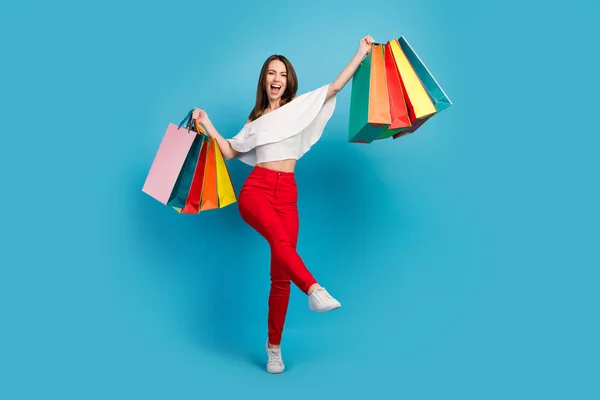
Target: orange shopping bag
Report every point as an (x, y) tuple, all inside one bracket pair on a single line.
[(210, 198), (369, 104)]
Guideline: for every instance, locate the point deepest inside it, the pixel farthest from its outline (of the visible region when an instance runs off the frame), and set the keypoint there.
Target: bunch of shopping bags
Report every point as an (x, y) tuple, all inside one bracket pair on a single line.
[(188, 172), (393, 93)]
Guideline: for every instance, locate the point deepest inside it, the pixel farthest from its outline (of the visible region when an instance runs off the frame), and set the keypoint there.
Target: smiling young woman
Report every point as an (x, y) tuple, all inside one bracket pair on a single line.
[(280, 129), (277, 86)]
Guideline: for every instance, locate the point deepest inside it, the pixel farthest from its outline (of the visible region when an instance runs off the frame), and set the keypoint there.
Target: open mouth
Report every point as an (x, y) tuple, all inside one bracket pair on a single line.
[(275, 89)]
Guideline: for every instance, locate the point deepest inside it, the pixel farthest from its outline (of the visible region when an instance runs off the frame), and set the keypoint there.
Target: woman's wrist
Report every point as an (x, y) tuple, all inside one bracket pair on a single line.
[(359, 57), (210, 129), (208, 124)]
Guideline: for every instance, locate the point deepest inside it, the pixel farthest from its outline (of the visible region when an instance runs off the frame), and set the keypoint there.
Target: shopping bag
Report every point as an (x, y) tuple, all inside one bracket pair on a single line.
[(211, 186), (416, 125), (225, 190), (210, 199), (193, 199), (417, 99), (182, 187), (434, 90), (400, 119), (168, 161), (369, 104)]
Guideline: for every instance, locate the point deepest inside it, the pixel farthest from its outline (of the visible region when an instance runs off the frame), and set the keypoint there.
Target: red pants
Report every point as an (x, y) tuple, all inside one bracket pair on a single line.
[(268, 203)]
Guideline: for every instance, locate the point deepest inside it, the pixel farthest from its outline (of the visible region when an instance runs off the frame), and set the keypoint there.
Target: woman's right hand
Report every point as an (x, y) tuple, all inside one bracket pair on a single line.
[(201, 116)]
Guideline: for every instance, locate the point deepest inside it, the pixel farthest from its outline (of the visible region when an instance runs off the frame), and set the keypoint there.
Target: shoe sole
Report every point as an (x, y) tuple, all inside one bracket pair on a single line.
[(322, 311)]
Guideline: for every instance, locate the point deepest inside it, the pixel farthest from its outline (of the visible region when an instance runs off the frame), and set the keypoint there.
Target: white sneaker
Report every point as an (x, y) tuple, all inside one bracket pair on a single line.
[(275, 363), (320, 300)]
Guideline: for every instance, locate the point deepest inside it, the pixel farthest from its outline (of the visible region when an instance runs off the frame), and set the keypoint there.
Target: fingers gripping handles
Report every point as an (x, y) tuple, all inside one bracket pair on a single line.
[(191, 124)]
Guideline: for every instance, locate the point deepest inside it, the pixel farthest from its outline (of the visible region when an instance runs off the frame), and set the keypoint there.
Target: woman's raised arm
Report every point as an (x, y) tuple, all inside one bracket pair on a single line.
[(338, 84)]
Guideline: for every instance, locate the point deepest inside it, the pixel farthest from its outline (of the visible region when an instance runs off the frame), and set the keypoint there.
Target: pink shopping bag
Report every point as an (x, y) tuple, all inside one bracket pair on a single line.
[(168, 161)]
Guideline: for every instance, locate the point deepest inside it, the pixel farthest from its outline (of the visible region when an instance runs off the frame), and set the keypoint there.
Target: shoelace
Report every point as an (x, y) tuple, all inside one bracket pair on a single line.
[(275, 357), (323, 294)]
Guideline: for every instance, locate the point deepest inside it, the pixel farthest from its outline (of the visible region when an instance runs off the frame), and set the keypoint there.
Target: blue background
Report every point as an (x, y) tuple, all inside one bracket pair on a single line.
[(465, 255)]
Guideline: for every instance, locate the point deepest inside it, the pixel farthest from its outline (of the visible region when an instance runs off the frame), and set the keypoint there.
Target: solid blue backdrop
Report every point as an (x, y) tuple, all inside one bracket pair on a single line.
[(465, 255)]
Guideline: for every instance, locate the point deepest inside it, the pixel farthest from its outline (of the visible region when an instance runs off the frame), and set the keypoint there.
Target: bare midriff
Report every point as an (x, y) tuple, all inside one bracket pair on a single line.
[(282, 166)]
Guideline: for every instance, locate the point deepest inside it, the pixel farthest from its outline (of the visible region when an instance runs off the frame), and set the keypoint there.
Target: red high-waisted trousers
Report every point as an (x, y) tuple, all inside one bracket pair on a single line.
[(268, 203)]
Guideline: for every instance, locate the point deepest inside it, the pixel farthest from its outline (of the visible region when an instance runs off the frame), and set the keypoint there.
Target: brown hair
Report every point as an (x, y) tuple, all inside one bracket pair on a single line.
[(262, 101)]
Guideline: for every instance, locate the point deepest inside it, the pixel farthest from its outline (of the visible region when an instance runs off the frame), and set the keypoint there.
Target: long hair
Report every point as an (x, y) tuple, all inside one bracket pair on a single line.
[(262, 101)]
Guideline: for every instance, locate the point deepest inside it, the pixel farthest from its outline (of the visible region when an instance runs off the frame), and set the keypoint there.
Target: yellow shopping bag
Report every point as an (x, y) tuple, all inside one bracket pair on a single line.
[(418, 101), (225, 189)]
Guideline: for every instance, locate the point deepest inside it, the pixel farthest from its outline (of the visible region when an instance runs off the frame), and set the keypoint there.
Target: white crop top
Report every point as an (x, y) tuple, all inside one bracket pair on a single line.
[(288, 132), (282, 150)]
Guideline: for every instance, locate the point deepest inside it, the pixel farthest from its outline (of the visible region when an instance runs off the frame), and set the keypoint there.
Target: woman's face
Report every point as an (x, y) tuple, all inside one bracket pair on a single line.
[(276, 80)]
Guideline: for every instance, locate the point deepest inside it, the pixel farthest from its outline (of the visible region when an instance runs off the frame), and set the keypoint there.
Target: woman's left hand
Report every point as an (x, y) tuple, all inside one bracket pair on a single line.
[(365, 45)]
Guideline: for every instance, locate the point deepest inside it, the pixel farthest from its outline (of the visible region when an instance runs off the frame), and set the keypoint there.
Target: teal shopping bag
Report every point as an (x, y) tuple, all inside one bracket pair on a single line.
[(434, 90), (184, 180), (182, 186), (369, 104)]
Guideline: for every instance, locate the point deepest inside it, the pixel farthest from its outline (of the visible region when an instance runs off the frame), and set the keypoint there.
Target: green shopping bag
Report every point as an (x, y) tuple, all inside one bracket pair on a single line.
[(369, 99)]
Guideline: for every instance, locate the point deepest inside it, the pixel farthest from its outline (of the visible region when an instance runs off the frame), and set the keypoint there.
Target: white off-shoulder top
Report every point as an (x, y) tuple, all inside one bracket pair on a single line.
[(288, 132)]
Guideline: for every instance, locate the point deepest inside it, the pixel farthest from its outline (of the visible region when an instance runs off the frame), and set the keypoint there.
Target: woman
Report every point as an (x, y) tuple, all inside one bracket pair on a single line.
[(272, 141)]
